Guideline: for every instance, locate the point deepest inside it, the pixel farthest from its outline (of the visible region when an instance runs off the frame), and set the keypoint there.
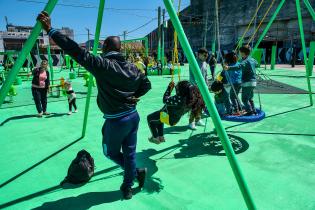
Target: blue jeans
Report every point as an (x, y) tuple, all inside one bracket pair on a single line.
[(121, 134), (247, 98)]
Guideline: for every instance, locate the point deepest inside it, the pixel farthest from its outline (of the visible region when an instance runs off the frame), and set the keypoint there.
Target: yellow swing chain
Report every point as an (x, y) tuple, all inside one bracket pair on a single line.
[(175, 51), (262, 20), (250, 23)]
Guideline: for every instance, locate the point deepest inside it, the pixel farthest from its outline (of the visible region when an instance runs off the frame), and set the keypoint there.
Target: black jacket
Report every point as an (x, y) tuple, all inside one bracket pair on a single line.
[(175, 106), (35, 79), (117, 80)]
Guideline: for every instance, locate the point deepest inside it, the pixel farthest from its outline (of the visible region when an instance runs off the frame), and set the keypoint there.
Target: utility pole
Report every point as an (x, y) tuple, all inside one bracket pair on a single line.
[(159, 35), (205, 31), (163, 40), (214, 33), (217, 28), (125, 34), (88, 42)]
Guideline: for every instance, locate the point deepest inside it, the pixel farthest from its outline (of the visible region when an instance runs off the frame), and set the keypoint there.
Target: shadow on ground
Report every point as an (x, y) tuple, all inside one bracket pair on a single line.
[(17, 118), (87, 200), (83, 201), (175, 129), (207, 144)]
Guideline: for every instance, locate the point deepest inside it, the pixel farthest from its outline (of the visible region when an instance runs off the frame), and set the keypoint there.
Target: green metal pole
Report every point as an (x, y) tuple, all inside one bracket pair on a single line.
[(51, 67), (210, 105), (311, 58), (159, 35), (24, 52), (310, 8), (269, 24), (298, 9), (95, 46), (146, 45), (273, 56)]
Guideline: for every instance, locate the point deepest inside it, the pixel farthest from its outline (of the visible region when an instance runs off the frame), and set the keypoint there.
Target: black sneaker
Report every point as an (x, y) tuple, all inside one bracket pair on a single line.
[(126, 191), (141, 173)]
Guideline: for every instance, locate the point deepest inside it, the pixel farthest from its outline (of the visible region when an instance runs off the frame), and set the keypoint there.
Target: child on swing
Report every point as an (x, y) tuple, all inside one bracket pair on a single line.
[(232, 80), (248, 66), (187, 98), (221, 98)]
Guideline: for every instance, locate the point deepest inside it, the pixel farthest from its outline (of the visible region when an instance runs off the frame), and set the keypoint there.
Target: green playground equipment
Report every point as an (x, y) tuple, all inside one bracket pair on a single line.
[(67, 59), (257, 54), (143, 39), (220, 130), (95, 46), (210, 105), (28, 45), (311, 58), (23, 72), (300, 21), (273, 57)]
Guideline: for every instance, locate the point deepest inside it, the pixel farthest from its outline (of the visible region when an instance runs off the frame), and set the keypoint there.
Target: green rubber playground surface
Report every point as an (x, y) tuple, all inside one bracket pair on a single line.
[(188, 171)]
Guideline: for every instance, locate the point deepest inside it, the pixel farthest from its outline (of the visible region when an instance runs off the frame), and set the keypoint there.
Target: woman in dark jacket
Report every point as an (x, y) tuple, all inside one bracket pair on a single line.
[(40, 88)]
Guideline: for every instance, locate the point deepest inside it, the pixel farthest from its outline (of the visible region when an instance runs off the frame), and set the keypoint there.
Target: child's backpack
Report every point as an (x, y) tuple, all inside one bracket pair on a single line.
[(81, 169)]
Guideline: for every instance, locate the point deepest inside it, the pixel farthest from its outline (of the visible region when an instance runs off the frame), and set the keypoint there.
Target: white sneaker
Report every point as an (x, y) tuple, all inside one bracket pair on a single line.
[(75, 111), (69, 113), (192, 126), (200, 123)]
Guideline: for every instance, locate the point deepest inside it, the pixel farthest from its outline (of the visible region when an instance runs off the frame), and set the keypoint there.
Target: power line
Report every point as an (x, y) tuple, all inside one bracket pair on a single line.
[(88, 6), (147, 23)]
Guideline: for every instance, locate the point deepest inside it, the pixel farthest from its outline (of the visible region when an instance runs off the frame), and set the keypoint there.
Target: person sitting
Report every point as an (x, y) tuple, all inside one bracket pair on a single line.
[(248, 66), (187, 98), (221, 98)]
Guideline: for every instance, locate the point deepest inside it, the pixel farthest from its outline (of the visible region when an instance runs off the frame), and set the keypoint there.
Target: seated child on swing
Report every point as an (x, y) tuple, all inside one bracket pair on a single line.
[(187, 98), (232, 80), (221, 98)]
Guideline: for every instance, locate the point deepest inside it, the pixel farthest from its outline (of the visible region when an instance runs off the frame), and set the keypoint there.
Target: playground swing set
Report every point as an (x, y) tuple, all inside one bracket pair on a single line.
[(220, 130)]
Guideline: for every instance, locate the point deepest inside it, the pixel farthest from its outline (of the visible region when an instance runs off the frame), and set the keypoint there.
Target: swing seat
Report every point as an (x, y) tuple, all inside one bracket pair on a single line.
[(254, 118)]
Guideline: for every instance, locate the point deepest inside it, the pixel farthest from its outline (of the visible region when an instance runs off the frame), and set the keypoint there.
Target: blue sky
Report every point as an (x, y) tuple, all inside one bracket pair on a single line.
[(119, 16)]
